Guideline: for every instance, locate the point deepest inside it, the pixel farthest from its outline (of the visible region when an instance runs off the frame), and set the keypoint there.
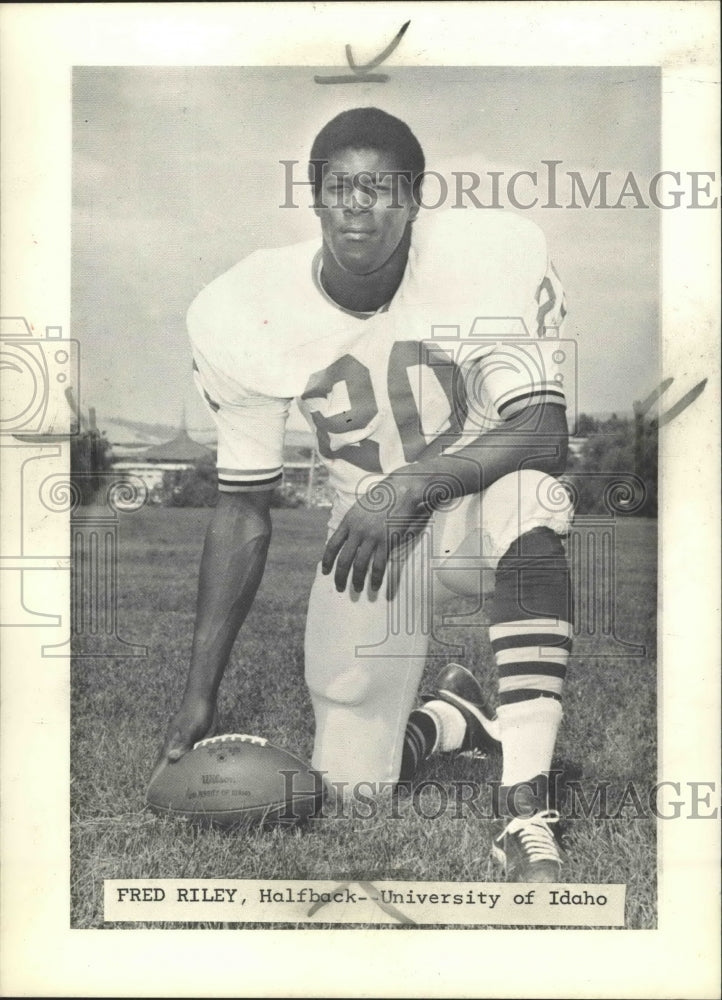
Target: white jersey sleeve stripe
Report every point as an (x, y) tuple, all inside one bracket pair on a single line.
[(240, 479), (226, 485), (534, 397), (251, 429), (235, 473)]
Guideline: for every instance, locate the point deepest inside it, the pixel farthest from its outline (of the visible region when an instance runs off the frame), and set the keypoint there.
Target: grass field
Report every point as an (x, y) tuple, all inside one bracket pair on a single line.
[(120, 708)]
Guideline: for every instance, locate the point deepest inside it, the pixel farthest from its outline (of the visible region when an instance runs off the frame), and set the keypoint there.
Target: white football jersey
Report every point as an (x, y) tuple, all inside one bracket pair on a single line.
[(457, 350)]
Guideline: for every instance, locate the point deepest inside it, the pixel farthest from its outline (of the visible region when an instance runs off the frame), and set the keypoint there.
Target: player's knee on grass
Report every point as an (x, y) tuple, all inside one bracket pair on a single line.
[(364, 660), (360, 741), (347, 687), (360, 714)]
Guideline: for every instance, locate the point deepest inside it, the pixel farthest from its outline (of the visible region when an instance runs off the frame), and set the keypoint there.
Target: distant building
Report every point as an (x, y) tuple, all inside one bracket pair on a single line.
[(302, 469), (176, 456)]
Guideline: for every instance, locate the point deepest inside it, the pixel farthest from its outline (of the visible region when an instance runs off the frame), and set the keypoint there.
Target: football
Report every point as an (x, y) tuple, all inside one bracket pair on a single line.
[(236, 780)]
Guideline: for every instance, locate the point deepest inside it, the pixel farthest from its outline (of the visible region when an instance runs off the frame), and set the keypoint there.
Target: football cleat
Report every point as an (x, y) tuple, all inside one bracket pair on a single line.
[(458, 687), (527, 843)]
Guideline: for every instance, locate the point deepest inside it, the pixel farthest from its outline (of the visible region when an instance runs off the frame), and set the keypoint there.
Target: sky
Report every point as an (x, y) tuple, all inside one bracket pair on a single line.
[(177, 176)]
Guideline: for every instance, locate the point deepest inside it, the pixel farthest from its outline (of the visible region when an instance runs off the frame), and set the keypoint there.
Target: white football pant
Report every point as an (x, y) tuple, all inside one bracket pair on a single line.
[(365, 654)]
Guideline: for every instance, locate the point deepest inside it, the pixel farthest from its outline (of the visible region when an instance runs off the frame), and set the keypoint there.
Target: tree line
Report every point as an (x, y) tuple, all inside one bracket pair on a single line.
[(618, 447)]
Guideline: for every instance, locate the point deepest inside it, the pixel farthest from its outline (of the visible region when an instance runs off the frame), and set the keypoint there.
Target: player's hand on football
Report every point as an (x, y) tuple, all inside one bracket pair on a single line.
[(366, 538), (194, 720)]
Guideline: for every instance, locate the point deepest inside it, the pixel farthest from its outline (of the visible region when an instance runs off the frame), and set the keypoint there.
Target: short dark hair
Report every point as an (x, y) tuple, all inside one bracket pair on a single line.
[(367, 128)]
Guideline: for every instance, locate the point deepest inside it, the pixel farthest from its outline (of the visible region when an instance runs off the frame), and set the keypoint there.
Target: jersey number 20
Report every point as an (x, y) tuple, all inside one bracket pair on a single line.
[(363, 407)]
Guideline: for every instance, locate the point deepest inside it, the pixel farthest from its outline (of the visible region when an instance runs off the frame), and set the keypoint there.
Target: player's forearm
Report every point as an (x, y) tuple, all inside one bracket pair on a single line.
[(234, 558), (536, 439)]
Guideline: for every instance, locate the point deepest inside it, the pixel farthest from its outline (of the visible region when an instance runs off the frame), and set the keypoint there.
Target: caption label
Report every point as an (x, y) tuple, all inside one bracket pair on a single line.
[(382, 902)]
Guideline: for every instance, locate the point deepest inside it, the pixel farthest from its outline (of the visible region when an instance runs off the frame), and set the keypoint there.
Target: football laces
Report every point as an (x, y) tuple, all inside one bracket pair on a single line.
[(231, 738)]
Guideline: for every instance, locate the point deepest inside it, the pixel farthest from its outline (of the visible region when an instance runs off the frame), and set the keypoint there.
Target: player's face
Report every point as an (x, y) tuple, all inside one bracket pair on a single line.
[(365, 208)]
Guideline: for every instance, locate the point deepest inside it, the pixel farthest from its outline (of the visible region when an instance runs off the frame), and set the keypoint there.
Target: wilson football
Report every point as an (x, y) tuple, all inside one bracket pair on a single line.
[(236, 780)]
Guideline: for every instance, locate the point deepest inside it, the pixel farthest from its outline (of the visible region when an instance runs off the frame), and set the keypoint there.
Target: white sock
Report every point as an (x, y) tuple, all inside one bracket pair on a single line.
[(528, 734), (450, 725)]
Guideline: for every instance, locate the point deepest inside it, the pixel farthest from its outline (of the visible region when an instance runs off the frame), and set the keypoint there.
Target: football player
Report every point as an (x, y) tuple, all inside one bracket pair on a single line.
[(412, 342)]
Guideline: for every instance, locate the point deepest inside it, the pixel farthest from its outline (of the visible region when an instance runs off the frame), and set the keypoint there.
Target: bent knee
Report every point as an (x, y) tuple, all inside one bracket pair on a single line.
[(346, 687), (473, 539), (522, 501)]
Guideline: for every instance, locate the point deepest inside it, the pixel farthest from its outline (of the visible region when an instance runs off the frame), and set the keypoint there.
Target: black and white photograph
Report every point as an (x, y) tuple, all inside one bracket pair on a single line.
[(366, 473), (442, 349)]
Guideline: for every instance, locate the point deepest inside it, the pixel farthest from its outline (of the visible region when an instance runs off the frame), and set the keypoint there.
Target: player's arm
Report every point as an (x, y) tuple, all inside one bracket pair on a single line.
[(232, 565), (250, 458), (535, 438), (530, 433)]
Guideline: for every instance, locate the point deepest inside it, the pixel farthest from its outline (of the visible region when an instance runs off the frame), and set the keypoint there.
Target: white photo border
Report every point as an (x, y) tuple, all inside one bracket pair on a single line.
[(42, 955)]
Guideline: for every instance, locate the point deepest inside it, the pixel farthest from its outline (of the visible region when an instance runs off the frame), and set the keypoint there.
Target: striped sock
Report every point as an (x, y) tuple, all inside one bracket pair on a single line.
[(531, 657), (419, 742), (436, 726), (531, 638), (528, 735)]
